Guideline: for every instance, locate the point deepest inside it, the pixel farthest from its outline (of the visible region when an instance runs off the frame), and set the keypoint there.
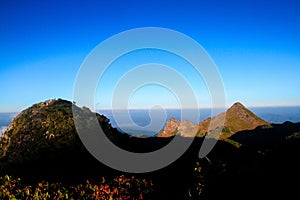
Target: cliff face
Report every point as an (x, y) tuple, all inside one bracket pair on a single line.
[(173, 127), (170, 129), (236, 118)]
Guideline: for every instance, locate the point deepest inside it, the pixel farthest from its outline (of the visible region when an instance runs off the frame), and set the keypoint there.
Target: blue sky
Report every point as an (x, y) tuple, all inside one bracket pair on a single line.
[(255, 45)]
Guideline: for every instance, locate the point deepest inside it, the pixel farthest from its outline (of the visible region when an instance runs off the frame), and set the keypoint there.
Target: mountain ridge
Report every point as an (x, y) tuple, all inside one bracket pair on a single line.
[(236, 118)]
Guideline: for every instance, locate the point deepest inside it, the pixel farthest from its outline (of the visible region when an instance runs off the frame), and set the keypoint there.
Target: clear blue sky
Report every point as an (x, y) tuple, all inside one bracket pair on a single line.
[(255, 44)]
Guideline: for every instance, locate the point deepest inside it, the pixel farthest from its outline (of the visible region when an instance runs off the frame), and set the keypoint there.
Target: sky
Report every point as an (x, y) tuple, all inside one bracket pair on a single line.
[(254, 44)]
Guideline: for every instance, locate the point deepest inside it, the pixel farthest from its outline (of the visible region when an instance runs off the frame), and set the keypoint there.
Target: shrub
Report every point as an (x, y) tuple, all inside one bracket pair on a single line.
[(119, 188)]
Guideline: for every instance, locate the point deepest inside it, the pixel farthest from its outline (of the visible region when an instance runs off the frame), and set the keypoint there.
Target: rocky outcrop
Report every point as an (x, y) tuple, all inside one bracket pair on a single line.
[(170, 128), (173, 127)]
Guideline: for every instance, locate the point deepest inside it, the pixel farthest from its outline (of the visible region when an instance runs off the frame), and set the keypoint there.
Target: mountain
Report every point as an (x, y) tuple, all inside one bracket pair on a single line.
[(43, 127), (41, 143), (236, 118)]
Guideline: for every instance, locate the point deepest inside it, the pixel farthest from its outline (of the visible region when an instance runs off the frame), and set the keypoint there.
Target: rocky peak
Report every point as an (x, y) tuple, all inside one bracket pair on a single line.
[(237, 106), (240, 110), (170, 128), (184, 128), (239, 118)]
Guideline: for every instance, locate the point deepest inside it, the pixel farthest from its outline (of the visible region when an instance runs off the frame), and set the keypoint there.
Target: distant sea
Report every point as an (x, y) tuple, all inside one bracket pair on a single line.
[(141, 118), (143, 122), (5, 119)]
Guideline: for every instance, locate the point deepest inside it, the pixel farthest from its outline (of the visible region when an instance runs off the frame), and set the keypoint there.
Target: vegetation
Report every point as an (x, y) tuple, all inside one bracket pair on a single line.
[(42, 157), (119, 188), (43, 126), (232, 142)]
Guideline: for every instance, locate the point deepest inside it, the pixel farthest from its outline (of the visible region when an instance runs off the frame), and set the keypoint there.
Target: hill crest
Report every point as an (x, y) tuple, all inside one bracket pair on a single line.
[(45, 125)]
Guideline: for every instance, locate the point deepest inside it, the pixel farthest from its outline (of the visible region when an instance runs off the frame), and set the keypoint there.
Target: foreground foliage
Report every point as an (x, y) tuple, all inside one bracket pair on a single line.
[(120, 187)]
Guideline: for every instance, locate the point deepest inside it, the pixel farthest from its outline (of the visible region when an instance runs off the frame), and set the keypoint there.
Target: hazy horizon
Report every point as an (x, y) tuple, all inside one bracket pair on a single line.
[(141, 116), (158, 107)]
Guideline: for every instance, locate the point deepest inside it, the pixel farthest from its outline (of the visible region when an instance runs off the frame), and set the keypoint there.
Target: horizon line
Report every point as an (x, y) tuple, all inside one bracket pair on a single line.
[(172, 108), (177, 108)]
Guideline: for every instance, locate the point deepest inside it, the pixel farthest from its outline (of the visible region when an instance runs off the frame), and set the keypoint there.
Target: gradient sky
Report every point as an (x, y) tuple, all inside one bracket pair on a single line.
[(255, 45)]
